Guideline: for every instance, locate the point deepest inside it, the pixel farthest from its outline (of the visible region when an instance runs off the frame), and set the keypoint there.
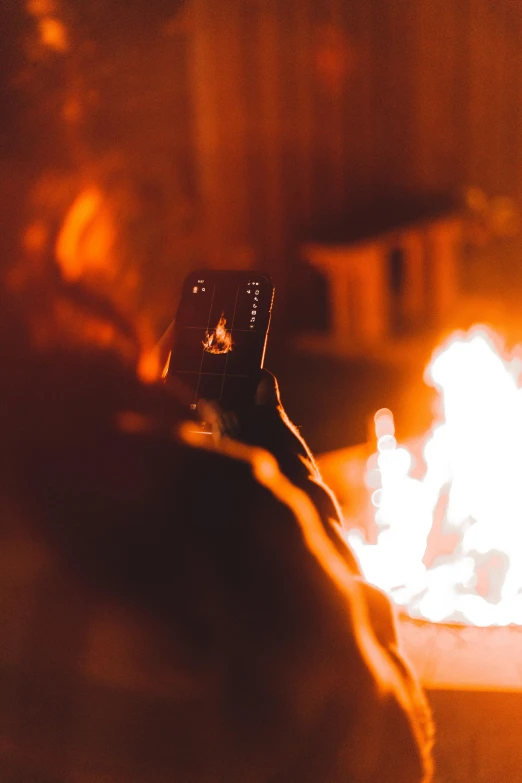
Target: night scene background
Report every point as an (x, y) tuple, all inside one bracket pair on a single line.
[(169, 136), (366, 154)]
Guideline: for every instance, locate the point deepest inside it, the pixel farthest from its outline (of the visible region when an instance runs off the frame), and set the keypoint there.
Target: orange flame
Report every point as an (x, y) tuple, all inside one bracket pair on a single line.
[(449, 535), (219, 340)]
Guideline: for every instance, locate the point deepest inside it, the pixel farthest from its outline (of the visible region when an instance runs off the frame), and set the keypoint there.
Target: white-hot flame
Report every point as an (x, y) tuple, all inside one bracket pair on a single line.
[(449, 515)]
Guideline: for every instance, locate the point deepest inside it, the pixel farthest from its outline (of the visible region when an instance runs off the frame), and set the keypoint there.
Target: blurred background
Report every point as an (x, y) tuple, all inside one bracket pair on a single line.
[(366, 153)]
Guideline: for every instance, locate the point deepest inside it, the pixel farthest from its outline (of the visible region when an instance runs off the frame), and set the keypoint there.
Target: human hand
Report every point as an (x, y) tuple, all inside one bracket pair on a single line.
[(264, 424), (260, 424)]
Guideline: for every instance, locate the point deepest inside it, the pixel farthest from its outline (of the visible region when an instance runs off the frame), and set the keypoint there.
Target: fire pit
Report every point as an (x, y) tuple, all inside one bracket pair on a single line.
[(437, 524), (439, 521)]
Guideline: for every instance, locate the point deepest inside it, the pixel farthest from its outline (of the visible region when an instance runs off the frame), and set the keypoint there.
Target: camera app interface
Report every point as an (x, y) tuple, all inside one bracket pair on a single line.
[(220, 334)]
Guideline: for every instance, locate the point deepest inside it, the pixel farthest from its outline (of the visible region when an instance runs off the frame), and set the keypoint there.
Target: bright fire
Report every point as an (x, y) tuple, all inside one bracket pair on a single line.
[(220, 339), (448, 521)]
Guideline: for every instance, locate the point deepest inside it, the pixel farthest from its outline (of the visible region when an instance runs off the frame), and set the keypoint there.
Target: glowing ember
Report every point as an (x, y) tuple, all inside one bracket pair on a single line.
[(449, 515), (220, 340)]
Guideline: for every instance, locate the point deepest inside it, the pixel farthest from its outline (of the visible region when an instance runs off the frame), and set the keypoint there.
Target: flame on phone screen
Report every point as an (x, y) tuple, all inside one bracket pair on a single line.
[(219, 340)]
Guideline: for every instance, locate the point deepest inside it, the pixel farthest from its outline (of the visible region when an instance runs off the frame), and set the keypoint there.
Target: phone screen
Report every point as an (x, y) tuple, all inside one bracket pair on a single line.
[(220, 335)]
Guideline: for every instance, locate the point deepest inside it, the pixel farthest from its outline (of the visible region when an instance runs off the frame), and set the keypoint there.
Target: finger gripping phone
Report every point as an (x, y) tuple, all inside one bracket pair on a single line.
[(220, 335)]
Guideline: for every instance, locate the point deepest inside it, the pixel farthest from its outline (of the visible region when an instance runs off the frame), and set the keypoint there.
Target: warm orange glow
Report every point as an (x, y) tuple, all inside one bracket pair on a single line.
[(72, 109), (219, 340), (449, 514), (149, 365), (87, 236), (165, 370), (35, 236), (53, 34), (41, 7)]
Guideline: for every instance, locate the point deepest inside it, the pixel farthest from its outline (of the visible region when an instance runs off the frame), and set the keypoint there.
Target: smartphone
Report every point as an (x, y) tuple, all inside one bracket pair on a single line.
[(220, 335)]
